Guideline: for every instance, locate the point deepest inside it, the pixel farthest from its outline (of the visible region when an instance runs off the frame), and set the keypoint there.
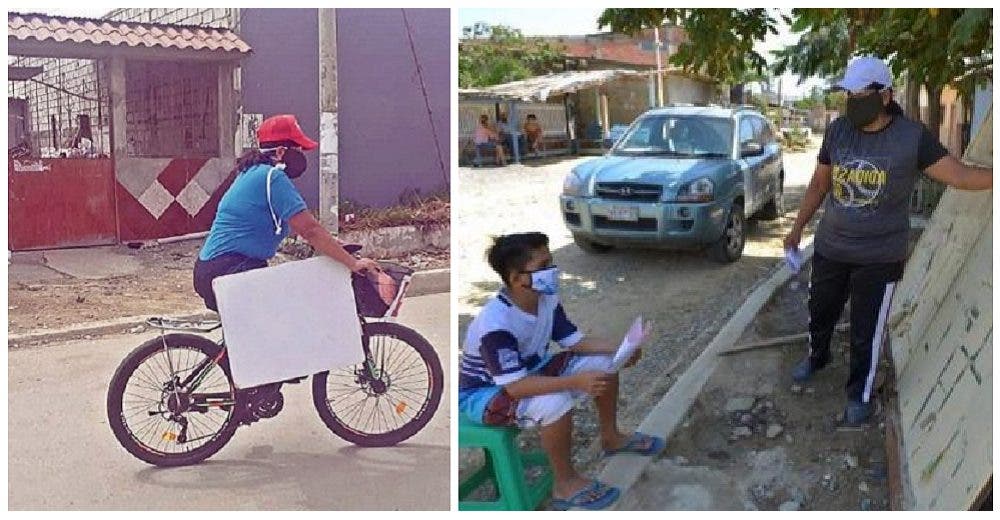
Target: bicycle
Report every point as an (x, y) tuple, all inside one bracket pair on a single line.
[(193, 408)]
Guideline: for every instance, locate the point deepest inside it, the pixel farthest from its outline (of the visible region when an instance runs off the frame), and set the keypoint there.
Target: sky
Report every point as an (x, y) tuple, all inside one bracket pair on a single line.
[(551, 22)]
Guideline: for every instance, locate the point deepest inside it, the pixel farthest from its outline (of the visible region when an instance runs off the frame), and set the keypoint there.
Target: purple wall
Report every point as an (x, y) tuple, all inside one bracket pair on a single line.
[(386, 143), (281, 75)]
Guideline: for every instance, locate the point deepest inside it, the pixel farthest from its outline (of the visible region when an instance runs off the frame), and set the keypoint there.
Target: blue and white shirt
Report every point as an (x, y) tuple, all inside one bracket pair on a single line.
[(497, 348)]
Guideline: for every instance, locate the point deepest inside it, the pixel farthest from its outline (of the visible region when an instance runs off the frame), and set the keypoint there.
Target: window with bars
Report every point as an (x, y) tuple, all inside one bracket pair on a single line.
[(62, 112), (171, 109)]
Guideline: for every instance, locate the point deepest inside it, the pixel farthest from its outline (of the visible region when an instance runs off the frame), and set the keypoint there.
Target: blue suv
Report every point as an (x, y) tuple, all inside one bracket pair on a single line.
[(680, 177)]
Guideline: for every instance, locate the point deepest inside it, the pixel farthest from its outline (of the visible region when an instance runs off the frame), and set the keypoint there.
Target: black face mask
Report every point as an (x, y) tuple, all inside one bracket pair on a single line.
[(295, 163), (862, 110)]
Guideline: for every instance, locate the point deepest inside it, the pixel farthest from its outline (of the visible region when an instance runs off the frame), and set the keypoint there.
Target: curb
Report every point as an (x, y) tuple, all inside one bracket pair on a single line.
[(97, 328), (431, 281), (624, 470)]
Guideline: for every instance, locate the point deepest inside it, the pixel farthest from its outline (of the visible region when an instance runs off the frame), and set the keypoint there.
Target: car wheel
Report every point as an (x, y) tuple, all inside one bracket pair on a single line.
[(590, 247), (729, 247), (775, 208)]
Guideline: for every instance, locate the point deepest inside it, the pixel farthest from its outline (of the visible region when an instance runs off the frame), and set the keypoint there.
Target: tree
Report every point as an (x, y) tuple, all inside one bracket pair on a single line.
[(503, 55), (929, 47)]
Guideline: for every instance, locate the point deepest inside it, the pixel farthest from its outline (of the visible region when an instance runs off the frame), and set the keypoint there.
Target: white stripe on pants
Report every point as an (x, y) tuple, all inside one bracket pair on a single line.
[(878, 338)]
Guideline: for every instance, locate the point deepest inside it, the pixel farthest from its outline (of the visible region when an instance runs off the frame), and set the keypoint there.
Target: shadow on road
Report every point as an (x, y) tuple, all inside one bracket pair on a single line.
[(324, 481)]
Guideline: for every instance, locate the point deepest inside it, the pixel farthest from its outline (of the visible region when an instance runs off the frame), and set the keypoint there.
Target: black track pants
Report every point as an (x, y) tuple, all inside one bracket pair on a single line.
[(870, 288)]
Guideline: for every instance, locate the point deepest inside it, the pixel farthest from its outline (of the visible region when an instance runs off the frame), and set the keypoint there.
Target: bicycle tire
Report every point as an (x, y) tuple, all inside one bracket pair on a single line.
[(395, 436), (116, 391)]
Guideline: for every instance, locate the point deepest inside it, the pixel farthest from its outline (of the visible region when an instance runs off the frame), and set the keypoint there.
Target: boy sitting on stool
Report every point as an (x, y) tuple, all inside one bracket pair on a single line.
[(509, 376)]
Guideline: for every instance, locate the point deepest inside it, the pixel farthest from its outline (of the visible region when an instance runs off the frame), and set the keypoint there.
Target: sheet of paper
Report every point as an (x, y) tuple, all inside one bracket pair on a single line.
[(794, 259), (631, 342)]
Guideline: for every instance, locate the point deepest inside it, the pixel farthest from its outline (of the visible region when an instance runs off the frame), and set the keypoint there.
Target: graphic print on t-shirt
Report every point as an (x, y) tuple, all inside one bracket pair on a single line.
[(857, 183)]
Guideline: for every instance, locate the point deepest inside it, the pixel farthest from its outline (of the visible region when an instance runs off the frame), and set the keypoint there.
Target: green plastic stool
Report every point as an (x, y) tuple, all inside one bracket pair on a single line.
[(505, 466)]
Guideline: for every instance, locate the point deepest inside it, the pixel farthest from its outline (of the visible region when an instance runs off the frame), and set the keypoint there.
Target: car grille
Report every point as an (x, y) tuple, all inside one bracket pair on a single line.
[(628, 191), (643, 224)]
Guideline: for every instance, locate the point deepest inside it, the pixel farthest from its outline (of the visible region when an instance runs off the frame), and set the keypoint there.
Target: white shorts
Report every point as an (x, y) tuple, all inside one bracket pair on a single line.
[(545, 409)]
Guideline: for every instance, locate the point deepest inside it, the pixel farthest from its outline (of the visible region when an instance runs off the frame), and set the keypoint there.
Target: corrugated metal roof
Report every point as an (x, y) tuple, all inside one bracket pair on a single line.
[(41, 27), (539, 88)]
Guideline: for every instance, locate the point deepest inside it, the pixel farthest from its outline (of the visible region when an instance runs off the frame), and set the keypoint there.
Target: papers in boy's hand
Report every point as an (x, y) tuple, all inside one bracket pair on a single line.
[(635, 336), (793, 257)]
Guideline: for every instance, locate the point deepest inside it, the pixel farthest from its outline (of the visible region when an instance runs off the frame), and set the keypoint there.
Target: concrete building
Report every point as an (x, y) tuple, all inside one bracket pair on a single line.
[(127, 131)]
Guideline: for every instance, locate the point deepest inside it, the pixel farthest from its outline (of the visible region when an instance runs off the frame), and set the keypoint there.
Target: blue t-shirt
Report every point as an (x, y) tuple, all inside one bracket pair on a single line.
[(243, 222)]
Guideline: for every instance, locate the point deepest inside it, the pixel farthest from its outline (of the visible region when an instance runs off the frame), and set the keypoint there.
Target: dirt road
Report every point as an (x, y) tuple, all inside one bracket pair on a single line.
[(152, 281), (687, 295)]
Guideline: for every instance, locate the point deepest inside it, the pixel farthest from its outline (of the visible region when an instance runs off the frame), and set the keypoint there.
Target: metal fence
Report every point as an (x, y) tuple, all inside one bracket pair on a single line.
[(62, 112)]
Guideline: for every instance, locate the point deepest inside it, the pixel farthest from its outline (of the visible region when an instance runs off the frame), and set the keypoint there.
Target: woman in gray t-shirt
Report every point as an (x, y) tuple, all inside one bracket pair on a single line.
[(866, 170)]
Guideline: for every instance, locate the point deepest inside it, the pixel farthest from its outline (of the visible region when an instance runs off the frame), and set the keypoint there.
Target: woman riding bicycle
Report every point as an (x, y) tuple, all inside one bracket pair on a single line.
[(261, 207)]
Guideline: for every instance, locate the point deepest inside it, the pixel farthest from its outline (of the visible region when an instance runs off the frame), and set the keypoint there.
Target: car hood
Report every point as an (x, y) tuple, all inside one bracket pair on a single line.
[(650, 170)]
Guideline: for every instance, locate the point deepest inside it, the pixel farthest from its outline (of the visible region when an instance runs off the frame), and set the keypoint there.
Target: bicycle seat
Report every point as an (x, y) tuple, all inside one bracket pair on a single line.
[(183, 324), (352, 248)]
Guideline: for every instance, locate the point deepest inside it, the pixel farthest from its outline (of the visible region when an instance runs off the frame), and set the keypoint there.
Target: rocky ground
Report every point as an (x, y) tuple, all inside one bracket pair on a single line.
[(756, 440)]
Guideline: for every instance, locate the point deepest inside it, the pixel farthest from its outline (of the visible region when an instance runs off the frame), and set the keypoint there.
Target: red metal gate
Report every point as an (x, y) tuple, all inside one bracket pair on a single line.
[(60, 203)]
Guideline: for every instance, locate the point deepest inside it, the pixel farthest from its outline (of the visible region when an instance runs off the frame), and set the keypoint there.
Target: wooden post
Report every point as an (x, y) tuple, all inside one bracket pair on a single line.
[(605, 119), (651, 81), (514, 131)]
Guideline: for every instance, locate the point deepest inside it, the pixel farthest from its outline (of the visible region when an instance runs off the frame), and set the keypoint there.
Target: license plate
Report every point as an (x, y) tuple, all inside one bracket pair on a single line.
[(625, 213)]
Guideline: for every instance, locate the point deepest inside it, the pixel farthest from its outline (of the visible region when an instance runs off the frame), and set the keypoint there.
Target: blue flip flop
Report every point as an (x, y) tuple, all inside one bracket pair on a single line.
[(594, 497), (635, 445)]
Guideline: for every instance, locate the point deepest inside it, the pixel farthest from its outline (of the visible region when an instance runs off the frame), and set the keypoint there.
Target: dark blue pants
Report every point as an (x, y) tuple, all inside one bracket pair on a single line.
[(207, 270)]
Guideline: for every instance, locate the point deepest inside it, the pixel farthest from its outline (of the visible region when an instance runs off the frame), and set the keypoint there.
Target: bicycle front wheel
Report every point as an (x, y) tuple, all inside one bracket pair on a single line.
[(387, 398)]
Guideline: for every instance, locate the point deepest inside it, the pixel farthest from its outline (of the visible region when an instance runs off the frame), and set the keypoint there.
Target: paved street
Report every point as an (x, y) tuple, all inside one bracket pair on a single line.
[(686, 294), (61, 453)]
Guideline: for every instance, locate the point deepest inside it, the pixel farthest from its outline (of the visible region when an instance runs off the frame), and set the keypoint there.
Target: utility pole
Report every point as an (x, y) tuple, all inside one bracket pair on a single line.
[(659, 67), (329, 178)]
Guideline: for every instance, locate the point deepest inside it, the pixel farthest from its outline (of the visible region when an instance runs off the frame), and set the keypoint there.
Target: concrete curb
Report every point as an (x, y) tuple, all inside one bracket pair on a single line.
[(431, 281), (624, 470)]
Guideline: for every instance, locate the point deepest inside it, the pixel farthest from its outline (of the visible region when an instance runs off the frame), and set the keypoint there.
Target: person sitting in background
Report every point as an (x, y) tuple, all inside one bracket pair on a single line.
[(486, 140), (503, 129), (533, 132)]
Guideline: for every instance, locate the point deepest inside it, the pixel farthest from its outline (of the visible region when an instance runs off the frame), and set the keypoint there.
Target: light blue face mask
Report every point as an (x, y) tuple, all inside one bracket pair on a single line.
[(545, 281)]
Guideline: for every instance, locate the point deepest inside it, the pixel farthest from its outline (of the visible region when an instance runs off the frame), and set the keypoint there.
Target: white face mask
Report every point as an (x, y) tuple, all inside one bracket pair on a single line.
[(546, 280)]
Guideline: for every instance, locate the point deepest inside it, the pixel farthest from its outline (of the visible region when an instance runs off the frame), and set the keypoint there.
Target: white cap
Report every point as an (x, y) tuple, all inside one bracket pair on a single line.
[(864, 71)]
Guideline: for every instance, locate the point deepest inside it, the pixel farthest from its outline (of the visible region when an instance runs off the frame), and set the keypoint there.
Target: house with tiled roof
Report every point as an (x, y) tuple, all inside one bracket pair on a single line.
[(608, 50), (125, 128)]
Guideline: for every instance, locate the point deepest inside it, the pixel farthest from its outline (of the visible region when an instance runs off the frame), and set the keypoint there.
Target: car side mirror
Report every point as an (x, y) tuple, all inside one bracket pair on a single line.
[(751, 149)]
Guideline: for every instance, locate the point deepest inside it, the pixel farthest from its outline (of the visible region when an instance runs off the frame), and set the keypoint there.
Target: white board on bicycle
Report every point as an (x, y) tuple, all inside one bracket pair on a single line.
[(290, 320)]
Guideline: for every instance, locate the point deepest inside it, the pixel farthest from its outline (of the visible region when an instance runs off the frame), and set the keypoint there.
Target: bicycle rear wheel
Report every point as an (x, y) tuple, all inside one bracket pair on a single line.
[(172, 401), (387, 398)]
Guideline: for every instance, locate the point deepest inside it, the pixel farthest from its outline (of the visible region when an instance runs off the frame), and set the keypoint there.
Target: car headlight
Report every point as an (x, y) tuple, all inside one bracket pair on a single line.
[(575, 185), (698, 190)]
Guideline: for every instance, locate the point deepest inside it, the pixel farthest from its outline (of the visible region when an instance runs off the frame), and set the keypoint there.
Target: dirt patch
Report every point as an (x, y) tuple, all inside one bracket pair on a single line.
[(163, 286), (756, 440)]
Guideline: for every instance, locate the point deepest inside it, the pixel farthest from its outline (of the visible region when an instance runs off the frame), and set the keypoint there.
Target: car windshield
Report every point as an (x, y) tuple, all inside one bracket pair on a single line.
[(677, 136)]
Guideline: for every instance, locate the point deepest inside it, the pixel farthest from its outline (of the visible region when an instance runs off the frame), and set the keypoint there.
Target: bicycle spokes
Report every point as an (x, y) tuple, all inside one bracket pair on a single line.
[(160, 407), (385, 392)]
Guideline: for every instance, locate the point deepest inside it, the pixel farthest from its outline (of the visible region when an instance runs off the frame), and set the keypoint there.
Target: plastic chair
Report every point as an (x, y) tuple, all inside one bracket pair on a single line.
[(505, 467)]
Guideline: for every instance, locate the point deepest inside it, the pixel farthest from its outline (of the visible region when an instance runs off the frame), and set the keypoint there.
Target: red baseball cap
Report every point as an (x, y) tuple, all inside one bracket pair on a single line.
[(284, 127)]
